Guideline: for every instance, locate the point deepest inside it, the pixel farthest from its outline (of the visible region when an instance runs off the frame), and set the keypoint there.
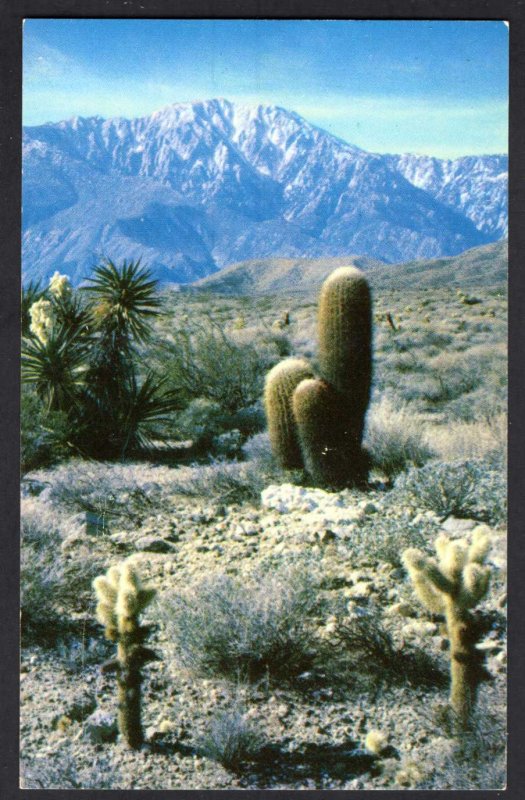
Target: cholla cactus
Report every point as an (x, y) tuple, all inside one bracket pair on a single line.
[(121, 599), (60, 287), (452, 585), (43, 319)]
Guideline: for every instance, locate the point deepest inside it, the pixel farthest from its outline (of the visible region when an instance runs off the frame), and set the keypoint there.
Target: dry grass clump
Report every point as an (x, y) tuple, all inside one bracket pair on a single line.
[(486, 438), (231, 737), (395, 438)]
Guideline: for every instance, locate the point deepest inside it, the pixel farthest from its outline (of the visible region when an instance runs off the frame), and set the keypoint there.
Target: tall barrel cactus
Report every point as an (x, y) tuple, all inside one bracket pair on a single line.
[(453, 585), (121, 599), (319, 422)]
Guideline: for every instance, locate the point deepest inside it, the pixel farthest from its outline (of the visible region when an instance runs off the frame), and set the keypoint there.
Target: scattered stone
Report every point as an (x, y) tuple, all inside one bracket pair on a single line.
[(376, 742), (100, 727), (367, 507), (403, 609), (153, 544), (458, 525)]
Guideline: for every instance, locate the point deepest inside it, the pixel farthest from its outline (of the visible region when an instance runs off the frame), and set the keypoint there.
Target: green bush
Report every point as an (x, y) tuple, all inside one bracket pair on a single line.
[(205, 361), (44, 435), (202, 421)]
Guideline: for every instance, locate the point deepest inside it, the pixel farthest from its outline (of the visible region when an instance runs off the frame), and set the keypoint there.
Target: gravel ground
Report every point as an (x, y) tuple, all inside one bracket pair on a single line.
[(312, 736)]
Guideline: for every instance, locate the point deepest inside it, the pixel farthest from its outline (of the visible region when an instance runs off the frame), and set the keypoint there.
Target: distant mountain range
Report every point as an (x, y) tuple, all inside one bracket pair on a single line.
[(198, 186), (481, 266)]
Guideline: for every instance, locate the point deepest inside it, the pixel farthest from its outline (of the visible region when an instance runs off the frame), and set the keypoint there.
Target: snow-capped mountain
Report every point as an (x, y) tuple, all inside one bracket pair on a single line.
[(474, 185), (196, 186)]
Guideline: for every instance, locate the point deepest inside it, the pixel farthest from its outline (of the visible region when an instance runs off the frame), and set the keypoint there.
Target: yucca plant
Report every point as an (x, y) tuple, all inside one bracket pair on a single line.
[(73, 314), (123, 300), (82, 359), (57, 368)]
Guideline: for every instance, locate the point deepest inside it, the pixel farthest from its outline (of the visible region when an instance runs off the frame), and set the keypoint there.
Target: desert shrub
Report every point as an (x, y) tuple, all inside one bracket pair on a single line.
[(51, 584), (60, 771), (205, 361), (395, 438), (362, 653), (230, 738), (243, 629), (126, 494), (462, 489), (228, 481), (202, 421), (382, 537), (44, 435), (41, 577)]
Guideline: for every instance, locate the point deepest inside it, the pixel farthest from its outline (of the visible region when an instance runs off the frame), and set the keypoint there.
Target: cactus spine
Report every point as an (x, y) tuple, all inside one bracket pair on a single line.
[(121, 599), (453, 585), (281, 383), (319, 423)]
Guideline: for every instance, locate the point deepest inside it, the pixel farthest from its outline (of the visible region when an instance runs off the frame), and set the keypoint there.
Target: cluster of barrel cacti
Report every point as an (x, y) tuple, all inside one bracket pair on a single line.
[(453, 585), (317, 423), (121, 599)]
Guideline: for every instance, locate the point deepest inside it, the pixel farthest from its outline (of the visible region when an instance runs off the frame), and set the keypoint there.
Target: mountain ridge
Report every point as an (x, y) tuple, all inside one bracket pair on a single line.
[(484, 265), (196, 186)]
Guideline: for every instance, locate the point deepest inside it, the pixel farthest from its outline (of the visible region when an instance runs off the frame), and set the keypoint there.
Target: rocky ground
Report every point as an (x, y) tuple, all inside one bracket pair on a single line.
[(322, 733)]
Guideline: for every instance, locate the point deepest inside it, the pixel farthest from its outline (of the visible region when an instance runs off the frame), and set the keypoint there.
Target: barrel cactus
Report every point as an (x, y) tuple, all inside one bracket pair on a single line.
[(318, 423)]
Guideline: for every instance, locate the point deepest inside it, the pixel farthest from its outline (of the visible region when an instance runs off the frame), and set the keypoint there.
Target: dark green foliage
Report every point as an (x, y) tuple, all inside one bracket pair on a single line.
[(205, 361), (123, 300), (87, 367), (56, 368), (44, 434)]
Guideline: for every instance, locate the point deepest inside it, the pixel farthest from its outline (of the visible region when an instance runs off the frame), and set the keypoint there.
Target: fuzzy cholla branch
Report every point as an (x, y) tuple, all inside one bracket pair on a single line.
[(452, 585), (121, 599)]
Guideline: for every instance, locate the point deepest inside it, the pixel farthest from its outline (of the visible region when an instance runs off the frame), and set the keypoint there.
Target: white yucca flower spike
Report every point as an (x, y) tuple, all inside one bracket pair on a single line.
[(42, 319), (59, 286)]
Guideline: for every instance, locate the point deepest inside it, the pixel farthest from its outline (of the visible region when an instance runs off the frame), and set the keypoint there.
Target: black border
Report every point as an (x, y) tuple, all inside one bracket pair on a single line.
[(12, 12)]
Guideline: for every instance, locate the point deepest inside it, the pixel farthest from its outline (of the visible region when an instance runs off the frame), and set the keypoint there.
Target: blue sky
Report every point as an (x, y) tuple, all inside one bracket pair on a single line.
[(388, 86)]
